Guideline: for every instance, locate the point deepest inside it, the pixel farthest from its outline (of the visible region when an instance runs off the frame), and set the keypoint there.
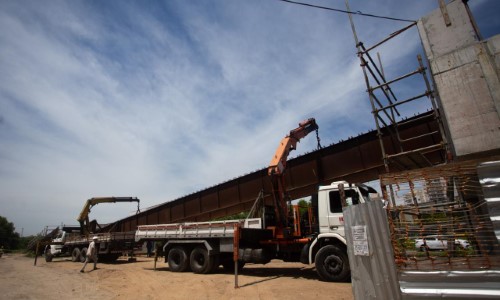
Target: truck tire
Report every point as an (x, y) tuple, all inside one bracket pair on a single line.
[(83, 254), (178, 260), (332, 264), (48, 255), (75, 255), (200, 261)]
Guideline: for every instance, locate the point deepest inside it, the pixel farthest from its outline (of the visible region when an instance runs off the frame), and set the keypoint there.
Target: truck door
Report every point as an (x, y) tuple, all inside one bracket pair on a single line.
[(335, 215)]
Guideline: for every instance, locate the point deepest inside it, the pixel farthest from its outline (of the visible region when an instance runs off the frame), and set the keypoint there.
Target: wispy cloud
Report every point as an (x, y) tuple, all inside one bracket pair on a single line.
[(158, 100)]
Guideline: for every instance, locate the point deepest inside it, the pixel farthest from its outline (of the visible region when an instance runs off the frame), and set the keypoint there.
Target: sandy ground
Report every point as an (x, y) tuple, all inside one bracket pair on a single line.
[(60, 279)]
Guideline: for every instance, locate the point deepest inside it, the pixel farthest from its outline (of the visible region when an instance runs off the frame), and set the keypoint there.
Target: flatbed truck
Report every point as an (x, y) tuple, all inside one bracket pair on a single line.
[(110, 245), (74, 240), (203, 246)]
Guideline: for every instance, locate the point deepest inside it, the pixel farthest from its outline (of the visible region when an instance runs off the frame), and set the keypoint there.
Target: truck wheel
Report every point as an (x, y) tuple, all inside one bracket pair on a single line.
[(332, 264), (75, 255), (83, 254), (48, 255), (178, 260), (201, 262)]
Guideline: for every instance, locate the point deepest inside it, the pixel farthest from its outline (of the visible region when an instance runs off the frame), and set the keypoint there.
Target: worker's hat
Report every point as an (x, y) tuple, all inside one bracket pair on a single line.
[(95, 238)]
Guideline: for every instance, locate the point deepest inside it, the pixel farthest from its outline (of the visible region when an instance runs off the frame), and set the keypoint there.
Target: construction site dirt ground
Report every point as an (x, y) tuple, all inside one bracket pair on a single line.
[(61, 279)]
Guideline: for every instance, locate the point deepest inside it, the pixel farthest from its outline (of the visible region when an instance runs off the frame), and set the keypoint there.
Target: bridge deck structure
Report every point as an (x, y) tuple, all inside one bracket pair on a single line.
[(358, 159)]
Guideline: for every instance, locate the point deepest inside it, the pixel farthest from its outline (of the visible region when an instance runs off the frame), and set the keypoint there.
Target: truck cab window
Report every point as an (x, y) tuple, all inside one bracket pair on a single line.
[(335, 203), (351, 198)]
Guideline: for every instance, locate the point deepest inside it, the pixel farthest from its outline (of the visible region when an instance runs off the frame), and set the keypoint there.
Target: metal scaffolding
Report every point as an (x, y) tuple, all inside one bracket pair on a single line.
[(390, 113)]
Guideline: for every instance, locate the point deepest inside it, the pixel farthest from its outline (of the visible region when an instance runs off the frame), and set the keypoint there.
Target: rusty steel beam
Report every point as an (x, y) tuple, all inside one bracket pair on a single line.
[(358, 159)]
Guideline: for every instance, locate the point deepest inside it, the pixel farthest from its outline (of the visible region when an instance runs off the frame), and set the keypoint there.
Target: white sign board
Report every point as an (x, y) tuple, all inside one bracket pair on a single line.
[(360, 240)]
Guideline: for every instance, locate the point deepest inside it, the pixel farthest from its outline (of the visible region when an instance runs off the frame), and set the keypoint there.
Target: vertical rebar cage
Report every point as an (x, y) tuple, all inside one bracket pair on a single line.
[(440, 220)]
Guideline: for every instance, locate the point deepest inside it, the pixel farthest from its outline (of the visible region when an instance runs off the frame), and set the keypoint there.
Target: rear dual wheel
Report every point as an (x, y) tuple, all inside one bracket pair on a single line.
[(178, 260), (200, 261), (75, 255)]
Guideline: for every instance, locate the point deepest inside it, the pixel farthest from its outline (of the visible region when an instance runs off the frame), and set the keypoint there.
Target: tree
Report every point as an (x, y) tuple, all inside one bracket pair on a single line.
[(303, 206), (9, 239)]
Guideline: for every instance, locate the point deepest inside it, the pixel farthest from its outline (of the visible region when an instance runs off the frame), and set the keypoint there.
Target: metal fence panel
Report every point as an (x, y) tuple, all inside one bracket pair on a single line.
[(373, 270)]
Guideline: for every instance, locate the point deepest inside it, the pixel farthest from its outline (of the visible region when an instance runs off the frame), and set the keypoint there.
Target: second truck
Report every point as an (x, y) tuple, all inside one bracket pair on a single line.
[(74, 240), (281, 231)]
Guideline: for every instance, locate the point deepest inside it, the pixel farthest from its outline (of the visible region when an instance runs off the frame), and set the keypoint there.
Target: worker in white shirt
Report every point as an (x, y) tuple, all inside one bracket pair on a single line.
[(91, 254)]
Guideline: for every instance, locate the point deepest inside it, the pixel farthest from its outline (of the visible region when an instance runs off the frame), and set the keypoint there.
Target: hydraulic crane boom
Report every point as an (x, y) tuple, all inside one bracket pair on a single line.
[(83, 218), (289, 143), (277, 169)]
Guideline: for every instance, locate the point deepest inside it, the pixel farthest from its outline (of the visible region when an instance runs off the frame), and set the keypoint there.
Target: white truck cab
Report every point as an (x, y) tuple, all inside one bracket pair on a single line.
[(56, 248), (330, 216), (328, 250)]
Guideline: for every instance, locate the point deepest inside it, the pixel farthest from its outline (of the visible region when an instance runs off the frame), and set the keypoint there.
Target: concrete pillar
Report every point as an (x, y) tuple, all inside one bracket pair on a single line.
[(465, 71)]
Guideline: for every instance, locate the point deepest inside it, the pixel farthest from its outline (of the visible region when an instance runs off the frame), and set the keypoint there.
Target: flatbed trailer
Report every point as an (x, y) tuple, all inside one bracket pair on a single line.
[(110, 246), (203, 246)]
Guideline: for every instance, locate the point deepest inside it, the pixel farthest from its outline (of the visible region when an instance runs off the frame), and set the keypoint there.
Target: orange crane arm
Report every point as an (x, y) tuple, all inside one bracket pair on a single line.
[(289, 143), (277, 169)]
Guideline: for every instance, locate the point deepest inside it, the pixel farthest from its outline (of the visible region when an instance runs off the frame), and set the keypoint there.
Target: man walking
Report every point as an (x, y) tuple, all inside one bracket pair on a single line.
[(91, 254)]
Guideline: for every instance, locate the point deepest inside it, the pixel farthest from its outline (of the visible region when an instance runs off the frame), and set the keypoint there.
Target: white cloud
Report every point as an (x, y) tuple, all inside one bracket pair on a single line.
[(160, 100)]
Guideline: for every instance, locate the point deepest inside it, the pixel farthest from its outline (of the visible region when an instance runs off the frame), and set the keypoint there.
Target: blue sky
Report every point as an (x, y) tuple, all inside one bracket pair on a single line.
[(158, 99)]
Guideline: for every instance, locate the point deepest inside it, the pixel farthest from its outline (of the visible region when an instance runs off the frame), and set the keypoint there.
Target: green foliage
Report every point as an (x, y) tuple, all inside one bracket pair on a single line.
[(303, 206), (23, 241), (465, 252), (9, 239), (407, 244), (438, 217)]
